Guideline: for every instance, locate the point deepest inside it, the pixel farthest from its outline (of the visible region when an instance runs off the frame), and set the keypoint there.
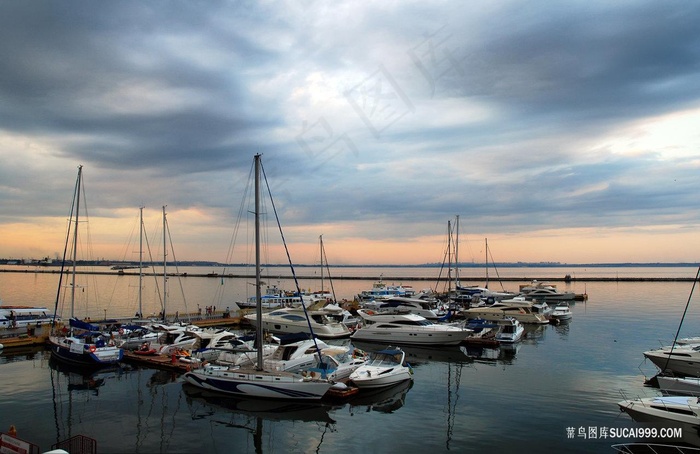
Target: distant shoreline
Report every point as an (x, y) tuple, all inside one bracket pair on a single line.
[(567, 278), (10, 262)]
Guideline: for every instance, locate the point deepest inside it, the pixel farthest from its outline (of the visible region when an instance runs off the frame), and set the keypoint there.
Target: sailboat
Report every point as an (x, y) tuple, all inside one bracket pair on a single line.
[(82, 343), (258, 381)]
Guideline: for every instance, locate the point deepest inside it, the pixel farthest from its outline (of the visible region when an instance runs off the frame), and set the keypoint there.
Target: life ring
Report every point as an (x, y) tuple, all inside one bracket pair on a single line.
[(369, 312), (92, 349)]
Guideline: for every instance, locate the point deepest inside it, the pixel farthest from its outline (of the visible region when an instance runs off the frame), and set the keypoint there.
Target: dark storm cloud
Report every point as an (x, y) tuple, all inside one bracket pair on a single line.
[(505, 109)]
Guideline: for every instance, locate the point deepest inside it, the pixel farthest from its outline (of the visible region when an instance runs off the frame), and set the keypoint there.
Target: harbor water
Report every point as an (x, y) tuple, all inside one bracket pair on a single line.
[(555, 391)]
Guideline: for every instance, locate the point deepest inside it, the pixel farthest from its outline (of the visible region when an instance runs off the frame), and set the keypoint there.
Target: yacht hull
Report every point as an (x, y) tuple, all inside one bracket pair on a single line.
[(260, 384)]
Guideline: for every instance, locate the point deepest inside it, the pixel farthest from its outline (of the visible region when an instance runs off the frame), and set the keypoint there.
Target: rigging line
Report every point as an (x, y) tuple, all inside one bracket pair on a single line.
[(65, 248), (488, 250), (697, 276), (444, 260), (153, 268), (291, 265), (177, 271), (330, 279), (218, 297)]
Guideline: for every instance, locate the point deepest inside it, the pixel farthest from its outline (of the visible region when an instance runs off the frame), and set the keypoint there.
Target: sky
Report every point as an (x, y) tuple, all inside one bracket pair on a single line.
[(559, 131)]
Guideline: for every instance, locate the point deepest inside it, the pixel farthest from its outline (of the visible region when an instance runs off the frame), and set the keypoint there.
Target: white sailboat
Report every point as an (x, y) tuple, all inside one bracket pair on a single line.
[(91, 347), (258, 381)]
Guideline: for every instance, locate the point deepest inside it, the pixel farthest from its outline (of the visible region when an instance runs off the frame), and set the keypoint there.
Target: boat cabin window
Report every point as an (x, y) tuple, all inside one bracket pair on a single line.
[(294, 318)]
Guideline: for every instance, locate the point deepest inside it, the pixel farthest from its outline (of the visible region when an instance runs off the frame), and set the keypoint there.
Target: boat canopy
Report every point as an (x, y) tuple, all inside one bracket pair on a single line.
[(75, 323)]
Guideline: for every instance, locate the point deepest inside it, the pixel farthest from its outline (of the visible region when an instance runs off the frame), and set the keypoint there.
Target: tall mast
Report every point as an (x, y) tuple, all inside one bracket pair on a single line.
[(320, 241), (258, 293), (140, 259), (457, 250), (449, 256), (486, 240), (165, 263), (75, 241)]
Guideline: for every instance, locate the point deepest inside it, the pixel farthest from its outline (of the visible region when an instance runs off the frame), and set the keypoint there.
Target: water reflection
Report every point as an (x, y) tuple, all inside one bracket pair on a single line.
[(384, 400), (253, 415), (504, 354), (417, 355), (9, 355), (72, 387), (79, 379), (205, 403)]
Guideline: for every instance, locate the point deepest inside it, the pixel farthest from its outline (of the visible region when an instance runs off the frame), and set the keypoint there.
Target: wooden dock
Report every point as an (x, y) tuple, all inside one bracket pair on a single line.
[(24, 337)]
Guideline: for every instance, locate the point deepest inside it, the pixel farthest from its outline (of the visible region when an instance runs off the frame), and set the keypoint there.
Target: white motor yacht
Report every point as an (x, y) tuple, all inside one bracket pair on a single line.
[(562, 312), (409, 329), (402, 304), (681, 359), (337, 363), (294, 320), (548, 292), (499, 311), (381, 291), (274, 298), (511, 331), (296, 356), (686, 386), (383, 368), (668, 411)]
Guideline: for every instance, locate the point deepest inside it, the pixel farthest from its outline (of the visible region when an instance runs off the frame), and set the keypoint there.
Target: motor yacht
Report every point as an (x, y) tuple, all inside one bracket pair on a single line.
[(511, 331), (383, 368), (500, 311), (667, 411), (294, 320), (681, 359), (399, 304), (562, 312), (409, 329)]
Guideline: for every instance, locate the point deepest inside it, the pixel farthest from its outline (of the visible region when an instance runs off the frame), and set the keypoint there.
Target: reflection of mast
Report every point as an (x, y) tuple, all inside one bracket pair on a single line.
[(452, 407)]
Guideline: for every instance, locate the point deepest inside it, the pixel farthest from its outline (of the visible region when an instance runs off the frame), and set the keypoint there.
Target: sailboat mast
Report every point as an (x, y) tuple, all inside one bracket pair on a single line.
[(449, 256), (457, 251), (320, 241), (140, 260), (258, 293), (165, 263), (486, 240), (75, 242)]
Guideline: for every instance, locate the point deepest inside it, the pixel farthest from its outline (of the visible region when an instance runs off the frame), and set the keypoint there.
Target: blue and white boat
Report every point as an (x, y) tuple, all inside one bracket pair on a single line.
[(81, 343), (85, 345), (258, 380), (381, 291)]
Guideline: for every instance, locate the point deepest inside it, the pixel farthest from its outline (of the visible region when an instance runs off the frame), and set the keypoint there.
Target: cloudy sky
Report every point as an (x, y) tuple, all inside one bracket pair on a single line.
[(563, 131)]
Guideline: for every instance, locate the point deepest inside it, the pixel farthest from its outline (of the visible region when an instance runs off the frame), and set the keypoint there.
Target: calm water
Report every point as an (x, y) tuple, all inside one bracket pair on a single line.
[(514, 400)]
